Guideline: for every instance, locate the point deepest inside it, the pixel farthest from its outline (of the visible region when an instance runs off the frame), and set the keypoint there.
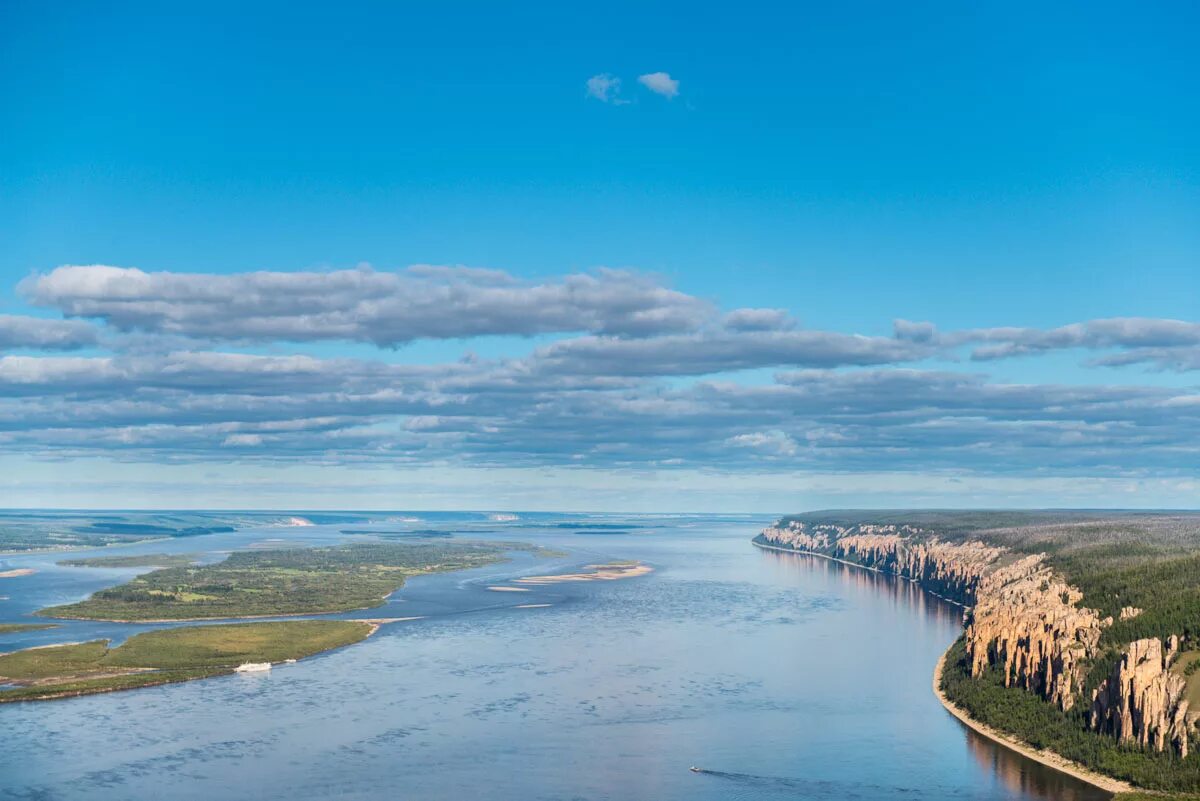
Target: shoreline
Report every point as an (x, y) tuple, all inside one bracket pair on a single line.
[(1043, 757), (900, 576)]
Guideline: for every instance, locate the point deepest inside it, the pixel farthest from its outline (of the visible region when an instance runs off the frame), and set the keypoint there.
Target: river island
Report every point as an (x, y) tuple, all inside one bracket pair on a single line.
[(283, 582)]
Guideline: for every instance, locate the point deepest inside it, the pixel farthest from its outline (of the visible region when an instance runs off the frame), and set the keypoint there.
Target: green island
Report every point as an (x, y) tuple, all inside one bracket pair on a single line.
[(135, 560), (293, 581), (1082, 629), (10, 628), (166, 656)]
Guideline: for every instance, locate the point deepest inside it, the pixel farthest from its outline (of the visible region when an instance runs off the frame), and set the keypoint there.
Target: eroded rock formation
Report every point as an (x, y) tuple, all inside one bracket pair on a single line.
[(1142, 701), (1026, 622)]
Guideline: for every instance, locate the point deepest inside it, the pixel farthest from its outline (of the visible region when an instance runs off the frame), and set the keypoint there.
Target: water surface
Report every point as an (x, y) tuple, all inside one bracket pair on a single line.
[(782, 676)]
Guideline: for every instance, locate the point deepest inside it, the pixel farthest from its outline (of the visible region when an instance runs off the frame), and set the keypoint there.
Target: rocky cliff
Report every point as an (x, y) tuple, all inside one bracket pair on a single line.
[(950, 569), (1025, 621), (1142, 701)]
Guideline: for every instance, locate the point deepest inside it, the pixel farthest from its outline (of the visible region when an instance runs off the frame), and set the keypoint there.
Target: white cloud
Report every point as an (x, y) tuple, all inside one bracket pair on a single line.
[(35, 333), (364, 305), (660, 83), (605, 88)]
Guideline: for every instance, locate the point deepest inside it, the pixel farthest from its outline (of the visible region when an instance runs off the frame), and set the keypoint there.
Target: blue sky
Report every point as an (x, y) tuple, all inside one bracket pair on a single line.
[(999, 171)]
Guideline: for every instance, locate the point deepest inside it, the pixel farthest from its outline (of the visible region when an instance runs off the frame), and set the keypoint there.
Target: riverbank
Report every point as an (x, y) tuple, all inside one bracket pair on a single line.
[(1043, 757), (167, 656), (1047, 758), (820, 555)]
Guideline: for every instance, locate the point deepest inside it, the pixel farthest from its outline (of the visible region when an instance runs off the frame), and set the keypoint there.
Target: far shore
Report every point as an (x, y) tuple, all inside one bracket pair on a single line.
[(820, 555)]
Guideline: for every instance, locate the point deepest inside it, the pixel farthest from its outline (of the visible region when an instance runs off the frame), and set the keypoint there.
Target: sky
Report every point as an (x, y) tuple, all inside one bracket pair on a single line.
[(638, 257)]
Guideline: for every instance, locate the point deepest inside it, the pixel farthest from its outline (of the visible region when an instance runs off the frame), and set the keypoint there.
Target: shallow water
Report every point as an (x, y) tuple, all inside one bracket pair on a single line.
[(782, 676)]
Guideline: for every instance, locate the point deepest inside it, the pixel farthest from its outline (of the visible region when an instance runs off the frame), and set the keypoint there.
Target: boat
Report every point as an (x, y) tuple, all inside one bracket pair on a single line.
[(695, 769), (253, 667)]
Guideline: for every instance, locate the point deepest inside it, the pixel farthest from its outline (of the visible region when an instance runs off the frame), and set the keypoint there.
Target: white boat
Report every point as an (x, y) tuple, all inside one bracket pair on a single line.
[(253, 667)]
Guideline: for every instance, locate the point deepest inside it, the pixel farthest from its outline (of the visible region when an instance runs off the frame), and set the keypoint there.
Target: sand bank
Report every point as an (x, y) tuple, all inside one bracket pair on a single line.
[(608, 572)]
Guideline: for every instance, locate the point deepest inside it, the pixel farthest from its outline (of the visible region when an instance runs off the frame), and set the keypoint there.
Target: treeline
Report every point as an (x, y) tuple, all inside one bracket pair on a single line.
[(1164, 585), (1044, 725)]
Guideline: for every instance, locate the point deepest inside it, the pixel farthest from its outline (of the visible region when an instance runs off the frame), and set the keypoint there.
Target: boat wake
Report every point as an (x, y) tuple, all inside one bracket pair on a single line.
[(756, 786)]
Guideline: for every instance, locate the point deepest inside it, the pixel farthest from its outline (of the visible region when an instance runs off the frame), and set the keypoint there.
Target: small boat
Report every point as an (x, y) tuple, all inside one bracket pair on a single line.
[(253, 667), (695, 769)]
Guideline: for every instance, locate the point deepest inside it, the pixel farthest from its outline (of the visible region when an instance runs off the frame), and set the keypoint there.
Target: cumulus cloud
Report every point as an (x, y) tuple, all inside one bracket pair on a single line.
[(605, 88), (660, 83), (384, 308), (37, 334)]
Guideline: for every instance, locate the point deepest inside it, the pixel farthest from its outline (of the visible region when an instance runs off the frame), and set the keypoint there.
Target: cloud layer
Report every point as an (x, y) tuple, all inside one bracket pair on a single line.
[(33, 332), (384, 308), (637, 375)]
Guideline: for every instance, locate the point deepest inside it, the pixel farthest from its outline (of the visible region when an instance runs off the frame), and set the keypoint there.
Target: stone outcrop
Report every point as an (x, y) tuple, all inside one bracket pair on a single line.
[(1027, 623), (1024, 621), (949, 569), (1142, 701)]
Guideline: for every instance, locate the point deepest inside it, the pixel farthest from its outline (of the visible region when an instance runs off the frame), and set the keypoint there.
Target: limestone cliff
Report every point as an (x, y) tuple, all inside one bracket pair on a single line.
[(1142, 701), (1025, 621), (950, 569)]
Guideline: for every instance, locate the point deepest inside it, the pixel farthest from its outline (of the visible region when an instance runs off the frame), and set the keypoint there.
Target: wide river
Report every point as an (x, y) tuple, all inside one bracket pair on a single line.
[(782, 676)]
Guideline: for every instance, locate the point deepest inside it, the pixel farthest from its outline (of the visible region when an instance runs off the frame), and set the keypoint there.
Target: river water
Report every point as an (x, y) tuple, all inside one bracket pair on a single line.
[(780, 675)]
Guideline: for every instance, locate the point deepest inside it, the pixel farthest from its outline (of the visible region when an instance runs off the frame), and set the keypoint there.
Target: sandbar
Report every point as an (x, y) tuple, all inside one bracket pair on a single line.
[(607, 572)]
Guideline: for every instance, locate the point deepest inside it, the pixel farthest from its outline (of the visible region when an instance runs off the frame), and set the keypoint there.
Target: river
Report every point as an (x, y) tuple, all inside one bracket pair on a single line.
[(779, 675)]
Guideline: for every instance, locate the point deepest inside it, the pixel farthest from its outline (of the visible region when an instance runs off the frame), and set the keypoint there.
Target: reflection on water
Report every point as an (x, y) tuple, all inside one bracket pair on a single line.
[(780, 675), (1026, 776)]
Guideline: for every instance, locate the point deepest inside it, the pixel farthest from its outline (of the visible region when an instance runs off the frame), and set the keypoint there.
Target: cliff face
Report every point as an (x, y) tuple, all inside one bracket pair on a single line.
[(1142, 701), (950, 569), (1027, 623)]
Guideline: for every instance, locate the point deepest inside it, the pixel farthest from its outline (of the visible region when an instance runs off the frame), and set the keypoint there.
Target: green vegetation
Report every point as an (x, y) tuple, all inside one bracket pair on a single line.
[(1043, 725), (9, 628), (167, 655), (138, 560), (279, 582)]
